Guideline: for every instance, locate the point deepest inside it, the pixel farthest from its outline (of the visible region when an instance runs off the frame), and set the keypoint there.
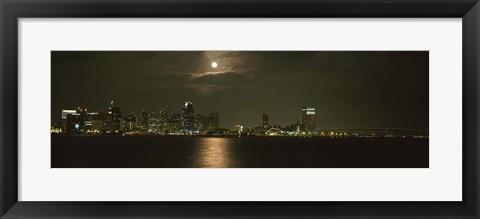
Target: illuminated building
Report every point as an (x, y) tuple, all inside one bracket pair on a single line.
[(66, 112), (201, 123), (163, 119), (95, 122), (74, 124), (298, 127), (174, 123), (64, 118), (308, 120), (114, 117), (144, 122), (238, 128), (294, 128), (274, 132), (153, 123), (129, 123), (213, 121), (265, 121), (188, 117)]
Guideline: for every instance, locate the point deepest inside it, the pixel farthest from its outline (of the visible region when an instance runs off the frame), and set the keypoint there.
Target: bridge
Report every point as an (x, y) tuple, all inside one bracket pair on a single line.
[(372, 131)]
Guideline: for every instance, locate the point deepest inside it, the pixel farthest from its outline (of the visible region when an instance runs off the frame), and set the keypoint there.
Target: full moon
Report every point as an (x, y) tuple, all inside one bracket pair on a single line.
[(214, 64)]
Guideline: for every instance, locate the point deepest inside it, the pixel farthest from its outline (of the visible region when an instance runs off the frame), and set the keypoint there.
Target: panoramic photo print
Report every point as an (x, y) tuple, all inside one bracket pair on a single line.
[(239, 109)]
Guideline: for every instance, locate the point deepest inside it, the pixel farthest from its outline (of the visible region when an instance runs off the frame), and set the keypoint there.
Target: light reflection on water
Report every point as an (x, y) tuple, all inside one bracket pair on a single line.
[(214, 152)]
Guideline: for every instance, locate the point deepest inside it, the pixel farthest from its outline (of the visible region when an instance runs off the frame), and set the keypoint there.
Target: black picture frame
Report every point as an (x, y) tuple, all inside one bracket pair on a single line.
[(12, 10)]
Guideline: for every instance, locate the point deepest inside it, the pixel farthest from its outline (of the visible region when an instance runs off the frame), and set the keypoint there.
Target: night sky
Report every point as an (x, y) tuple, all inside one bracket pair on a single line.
[(348, 89)]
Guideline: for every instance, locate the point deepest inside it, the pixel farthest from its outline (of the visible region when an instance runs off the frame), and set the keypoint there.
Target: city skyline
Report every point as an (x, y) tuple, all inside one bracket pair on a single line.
[(80, 121), (77, 121), (348, 89)]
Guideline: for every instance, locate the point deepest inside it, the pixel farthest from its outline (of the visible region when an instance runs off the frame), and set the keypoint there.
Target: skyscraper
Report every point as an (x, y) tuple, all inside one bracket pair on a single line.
[(144, 121), (188, 117), (114, 116), (153, 125), (201, 123), (163, 118), (265, 121), (63, 121), (308, 119), (174, 123), (130, 123), (213, 121)]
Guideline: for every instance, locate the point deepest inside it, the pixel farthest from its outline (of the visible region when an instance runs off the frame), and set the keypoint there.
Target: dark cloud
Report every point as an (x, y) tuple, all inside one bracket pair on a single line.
[(368, 89)]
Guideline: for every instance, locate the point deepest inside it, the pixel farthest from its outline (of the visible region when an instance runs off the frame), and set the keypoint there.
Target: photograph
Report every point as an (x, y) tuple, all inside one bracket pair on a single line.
[(209, 109), (239, 109)]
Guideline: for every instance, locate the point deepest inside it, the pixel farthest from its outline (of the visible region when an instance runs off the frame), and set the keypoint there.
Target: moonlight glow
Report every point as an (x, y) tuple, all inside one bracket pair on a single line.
[(214, 64)]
